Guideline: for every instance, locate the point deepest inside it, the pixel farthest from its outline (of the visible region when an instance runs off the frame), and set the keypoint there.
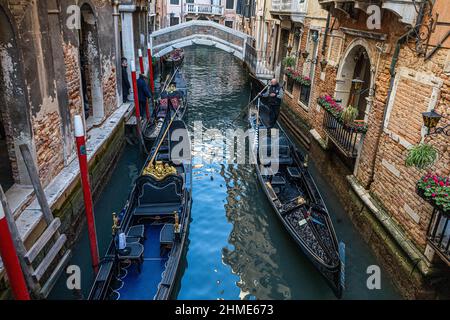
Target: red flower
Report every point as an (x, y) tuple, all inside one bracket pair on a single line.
[(441, 183)]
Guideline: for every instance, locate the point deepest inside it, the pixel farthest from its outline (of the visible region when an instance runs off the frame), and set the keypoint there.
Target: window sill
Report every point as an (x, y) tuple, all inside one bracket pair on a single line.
[(301, 104)]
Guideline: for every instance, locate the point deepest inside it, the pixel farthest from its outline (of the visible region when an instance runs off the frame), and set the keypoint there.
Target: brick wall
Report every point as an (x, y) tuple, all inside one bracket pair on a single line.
[(73, 79), (109, 87), (394, 183), (48, 144), (381, 164)]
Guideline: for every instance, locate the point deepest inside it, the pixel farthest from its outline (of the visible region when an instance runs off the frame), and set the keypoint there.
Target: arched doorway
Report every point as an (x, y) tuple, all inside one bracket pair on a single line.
[(354, 81), (91, 76), (15, 126)]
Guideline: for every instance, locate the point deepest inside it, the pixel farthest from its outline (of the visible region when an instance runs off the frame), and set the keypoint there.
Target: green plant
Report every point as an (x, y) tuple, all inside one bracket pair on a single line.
[(421, 156), (289, 61), (349, 114)]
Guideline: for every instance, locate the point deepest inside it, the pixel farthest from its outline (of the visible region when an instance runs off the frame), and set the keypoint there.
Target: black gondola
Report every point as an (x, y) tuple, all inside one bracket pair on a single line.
[(154, 224), (295, 198), (170, 100), (174, 58)]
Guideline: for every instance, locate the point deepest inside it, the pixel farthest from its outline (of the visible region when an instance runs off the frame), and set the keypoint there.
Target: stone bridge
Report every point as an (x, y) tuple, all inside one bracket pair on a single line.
[(209, 33)]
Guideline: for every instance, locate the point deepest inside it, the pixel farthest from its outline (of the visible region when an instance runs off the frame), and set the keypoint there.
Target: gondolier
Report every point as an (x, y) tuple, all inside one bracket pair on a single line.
[(273, 97), (143, 93)]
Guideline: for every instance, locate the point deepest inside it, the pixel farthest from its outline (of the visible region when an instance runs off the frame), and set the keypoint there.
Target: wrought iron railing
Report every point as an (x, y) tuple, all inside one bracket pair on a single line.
[(439, 234), (346, 138)]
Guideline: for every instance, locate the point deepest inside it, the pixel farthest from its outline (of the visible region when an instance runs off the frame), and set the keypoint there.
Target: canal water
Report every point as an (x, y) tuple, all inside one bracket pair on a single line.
[(237, 247)]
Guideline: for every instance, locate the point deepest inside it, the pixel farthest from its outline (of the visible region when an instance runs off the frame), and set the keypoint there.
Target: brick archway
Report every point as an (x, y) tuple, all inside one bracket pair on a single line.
[(346, 73)]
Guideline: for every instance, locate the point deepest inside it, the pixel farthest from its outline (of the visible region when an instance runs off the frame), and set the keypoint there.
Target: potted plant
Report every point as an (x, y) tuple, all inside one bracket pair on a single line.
[(289, 61), (435, 189), (349, 114), (421, 156)]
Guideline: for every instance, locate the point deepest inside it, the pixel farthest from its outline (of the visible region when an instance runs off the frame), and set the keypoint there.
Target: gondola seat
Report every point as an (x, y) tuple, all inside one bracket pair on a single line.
[(155, 200), (278, 181), (137, 231), (166, 237), (294, 172), (133, 252)]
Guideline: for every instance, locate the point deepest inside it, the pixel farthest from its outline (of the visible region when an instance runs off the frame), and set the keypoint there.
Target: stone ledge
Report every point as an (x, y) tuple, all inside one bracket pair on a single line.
[(31, 217), (414, 254), (319, 139)]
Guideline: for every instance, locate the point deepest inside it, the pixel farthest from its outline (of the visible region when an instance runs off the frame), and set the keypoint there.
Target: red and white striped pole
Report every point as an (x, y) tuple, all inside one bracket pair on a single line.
[(84, 172), (136, 97), (141, 61), (11, 260), (150, 68)]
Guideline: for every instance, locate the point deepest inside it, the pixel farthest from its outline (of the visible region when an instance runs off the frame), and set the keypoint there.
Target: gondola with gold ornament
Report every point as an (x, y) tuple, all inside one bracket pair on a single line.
[(149, 235)]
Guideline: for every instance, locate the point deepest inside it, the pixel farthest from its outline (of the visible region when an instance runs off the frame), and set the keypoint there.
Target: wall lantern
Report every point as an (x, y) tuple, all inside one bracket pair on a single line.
[(323, 64), (305, 54), (430, 121)]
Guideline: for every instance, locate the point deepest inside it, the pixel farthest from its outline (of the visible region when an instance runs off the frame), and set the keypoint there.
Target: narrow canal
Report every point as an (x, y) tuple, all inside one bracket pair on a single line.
[(237, 248)]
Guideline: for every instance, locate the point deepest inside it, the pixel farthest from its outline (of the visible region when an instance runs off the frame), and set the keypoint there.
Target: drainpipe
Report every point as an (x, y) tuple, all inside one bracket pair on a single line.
[(327, 27), (394, 61), (116, 15)]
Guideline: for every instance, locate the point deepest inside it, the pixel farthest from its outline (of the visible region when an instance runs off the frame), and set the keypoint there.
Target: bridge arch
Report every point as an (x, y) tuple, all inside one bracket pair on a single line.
[(200, 32)]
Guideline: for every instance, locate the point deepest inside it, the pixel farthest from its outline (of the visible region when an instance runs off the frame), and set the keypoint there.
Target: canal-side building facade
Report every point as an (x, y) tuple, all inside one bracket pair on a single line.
[(390, 76), (220, 11), (59, 59)]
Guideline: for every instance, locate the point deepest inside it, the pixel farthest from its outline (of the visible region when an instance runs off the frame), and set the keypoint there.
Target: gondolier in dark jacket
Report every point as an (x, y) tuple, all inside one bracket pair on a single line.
[(125, 82), (143, 93), (273, 95)]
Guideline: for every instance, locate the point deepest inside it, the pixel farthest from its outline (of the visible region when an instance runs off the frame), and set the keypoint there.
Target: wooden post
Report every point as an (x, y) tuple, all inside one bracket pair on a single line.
[(150, 67), (136, 98), (36, 182), (18, 244), (141, 65)]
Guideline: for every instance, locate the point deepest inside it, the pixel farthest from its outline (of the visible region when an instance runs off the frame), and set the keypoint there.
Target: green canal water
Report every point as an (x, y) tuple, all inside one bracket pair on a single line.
[(237, 247)]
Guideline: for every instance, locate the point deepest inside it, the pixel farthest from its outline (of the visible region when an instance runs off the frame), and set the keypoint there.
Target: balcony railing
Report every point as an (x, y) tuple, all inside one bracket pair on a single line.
[(346, 138), (289, 6), (193, 8), (439, 234)]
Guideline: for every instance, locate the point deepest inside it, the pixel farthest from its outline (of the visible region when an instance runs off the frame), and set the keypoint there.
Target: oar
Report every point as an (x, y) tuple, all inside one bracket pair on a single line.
[(250, 103)]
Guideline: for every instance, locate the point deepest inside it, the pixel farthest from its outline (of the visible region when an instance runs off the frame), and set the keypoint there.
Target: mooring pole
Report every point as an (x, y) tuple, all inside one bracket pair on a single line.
[(150, 68), (136, 97), (11, 260), (141, 61), (141, 66), (84, 172)]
